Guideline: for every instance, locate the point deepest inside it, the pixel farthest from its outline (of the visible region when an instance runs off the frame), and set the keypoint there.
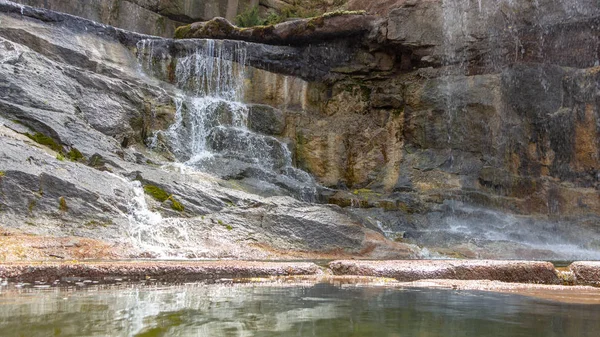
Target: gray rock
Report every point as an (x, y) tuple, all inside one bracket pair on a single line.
[(266, 120)]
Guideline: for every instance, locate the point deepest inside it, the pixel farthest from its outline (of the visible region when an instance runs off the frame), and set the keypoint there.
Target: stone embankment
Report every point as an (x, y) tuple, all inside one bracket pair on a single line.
[(470, 274), (586, 272), (156, 271), (506, 271)]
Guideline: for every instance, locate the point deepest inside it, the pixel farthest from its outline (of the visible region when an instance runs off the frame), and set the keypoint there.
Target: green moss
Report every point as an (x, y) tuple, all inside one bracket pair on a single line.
[(156, 192), (342, 12), (161, 195), (45, 140), (182, 32), (2, 174), (75, 155), (221, 223), (31, 205), (59, 156), (176, 205), (62, 204), (249, 18)]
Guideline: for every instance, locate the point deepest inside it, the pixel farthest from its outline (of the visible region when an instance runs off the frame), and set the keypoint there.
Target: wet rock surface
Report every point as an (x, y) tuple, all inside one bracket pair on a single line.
[(506, 271), (76, 112), (469, 130), (152, 17), (157, 271), (586, 272)]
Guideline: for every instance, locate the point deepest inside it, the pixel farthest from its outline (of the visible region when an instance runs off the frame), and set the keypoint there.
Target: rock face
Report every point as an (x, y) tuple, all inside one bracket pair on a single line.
[(458, 121), (152, 17), (77, 109), (469, 127), (300, 31)]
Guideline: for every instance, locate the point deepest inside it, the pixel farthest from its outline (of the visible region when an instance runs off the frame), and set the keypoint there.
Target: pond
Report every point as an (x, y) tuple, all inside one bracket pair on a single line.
[(285, 310)]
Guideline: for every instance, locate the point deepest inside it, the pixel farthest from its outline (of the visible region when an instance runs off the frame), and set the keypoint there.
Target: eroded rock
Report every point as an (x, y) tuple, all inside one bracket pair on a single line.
[(506, 271)]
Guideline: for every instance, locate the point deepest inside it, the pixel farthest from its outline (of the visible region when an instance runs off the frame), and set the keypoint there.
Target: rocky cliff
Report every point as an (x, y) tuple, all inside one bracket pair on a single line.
[(468, 127), (77, 106)]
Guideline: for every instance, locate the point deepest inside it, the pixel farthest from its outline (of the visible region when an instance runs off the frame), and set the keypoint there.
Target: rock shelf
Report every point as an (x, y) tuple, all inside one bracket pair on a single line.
[(172, 271), (506, 271), (416, 272), (586, 272)]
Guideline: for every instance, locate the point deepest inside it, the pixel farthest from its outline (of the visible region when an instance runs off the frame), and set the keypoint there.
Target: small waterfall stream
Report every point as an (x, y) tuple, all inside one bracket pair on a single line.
[(210, 133), (211, 130)]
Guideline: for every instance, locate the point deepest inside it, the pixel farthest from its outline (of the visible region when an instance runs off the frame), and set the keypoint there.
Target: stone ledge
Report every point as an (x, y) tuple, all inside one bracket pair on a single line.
[(506, 271), (296, 32), (180, 271), (586, 272)]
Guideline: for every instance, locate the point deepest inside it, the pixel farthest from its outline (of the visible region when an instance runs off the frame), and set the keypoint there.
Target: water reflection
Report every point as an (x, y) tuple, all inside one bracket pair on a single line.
[(319, 310)]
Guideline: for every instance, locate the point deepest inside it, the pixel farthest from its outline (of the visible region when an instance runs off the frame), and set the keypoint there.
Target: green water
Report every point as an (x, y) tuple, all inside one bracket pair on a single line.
[(319, 310)]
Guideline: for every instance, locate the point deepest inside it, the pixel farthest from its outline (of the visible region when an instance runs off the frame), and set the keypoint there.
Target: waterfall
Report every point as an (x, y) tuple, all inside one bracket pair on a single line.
[(149, 231), (210, 132)]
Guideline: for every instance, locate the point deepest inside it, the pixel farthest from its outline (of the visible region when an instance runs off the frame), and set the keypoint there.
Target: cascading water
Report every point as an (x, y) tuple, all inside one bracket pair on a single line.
[(210, 132)]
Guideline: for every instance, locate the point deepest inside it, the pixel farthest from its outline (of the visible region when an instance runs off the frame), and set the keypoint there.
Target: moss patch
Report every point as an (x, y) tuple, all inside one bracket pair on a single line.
[(161, 195), (342, 12), (249, 18), (75, 155), (62, 204), (182, 31), (42, 139), (176, 205), (228, 227), (156, 192)]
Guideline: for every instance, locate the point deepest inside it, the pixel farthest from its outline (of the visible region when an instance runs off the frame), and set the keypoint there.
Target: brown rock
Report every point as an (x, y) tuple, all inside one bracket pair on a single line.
[(301, 31), (506, 271), (160, 271), (586, 272)]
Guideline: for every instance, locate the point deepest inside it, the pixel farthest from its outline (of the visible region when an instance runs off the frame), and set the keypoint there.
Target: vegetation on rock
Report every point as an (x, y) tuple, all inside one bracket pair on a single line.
[(42, 139), (161, 195), (252, 17), (249, 18), (62, 204)]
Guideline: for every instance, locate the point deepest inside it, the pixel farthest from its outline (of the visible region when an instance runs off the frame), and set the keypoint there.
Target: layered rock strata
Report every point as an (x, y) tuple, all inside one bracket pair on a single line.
[(444, 116), (76, 111)]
